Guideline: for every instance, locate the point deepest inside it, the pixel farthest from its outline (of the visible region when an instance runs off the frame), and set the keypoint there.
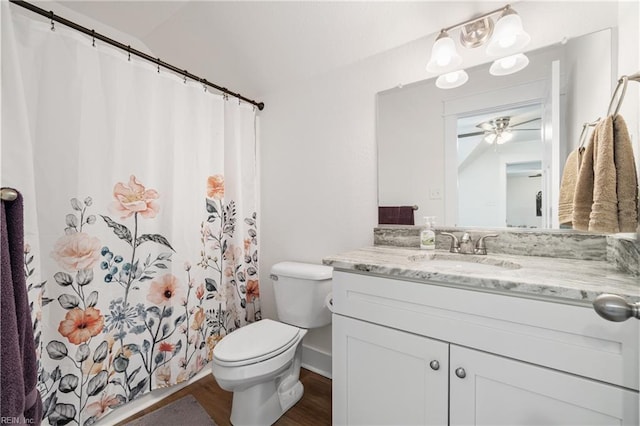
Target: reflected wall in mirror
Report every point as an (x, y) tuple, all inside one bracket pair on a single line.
[(419, 149), (499, 168)]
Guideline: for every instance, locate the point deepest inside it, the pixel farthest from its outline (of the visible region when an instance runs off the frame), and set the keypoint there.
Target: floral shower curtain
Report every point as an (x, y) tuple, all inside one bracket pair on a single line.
[(140, 216)]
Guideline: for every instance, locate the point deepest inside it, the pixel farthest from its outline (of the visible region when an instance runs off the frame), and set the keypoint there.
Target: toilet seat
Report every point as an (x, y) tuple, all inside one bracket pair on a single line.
[(255, 343)]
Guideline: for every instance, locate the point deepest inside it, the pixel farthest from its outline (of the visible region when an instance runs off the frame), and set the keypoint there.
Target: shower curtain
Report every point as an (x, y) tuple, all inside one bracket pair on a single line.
[(140, 198)]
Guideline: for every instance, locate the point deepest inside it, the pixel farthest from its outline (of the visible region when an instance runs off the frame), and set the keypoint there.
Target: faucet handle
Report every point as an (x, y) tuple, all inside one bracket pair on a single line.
[(481, 248), (455, 244)]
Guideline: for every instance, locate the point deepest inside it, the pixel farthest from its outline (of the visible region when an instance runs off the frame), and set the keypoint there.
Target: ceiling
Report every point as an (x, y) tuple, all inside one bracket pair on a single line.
[(258, 47)]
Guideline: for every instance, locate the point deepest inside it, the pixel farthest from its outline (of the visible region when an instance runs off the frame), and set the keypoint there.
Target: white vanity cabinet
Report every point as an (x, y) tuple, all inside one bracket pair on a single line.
[(410, 353), (387, 377)]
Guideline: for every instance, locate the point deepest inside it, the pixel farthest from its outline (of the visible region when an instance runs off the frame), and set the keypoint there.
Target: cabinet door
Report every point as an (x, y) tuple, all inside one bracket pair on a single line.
[(383, 376), (502, 391)]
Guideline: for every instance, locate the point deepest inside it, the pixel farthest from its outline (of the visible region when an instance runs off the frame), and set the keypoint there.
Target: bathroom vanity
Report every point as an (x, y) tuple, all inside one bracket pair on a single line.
[(450, 339)]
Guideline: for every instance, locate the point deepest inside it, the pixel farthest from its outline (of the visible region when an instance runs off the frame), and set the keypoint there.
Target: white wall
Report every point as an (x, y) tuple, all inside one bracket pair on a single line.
[(409, 121), (629, 63), (319, 190), (521, 201), (584, 67), (482, 183)]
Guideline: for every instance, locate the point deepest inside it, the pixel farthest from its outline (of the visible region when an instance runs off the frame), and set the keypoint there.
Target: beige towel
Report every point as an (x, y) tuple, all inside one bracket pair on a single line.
[(595, 203), (568, 186), (603, 181), (627, 177)]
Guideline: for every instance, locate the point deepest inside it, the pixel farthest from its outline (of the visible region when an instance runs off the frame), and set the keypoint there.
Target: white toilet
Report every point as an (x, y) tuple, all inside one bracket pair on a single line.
[(260, 363)]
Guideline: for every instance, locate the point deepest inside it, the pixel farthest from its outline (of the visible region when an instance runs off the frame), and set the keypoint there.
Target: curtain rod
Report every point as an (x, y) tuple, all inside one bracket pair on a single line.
[(130, 50)]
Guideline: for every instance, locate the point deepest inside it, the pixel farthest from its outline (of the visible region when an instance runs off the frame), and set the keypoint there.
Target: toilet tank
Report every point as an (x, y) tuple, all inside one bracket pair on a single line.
[(300, 291)]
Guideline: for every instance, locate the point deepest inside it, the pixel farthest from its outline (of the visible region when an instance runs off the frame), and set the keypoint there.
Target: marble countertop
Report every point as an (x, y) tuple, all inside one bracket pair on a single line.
[(567, 280)]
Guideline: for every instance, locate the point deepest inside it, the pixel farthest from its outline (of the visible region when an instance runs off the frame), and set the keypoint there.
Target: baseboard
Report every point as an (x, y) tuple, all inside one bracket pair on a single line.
[(313, 359), (148, 400), (316, 360)]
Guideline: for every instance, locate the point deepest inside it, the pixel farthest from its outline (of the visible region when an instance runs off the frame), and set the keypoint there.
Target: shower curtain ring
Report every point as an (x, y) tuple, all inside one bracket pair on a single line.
[(158, 63), (93, 38), (185, 76), (53, 26), (204, 84), (129, 52)]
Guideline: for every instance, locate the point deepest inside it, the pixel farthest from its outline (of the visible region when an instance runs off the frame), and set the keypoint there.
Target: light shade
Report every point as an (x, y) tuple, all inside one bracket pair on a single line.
[(444, 57), (504, 136), (499, 137), (489, 138), (452, 79), (508, 36), (509, 65)]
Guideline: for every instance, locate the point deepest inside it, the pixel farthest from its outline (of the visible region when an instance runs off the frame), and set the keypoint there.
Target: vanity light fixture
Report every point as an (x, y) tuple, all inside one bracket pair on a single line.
[(452, 79), (505, 40), (444, 56), (509, 65), (509, 37)]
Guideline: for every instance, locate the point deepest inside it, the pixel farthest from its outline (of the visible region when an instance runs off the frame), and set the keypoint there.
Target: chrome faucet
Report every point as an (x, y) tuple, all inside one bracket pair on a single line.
[(481, 248), (465, 244)]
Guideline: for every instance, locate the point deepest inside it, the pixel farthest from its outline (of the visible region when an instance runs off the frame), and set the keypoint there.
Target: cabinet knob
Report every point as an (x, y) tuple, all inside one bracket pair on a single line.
[(461, 373), (615, 308), (435, 365)]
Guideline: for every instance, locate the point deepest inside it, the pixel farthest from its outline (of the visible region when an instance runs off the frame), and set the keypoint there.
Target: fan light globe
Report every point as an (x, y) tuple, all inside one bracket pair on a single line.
[(503, 137), (444, 57), (490, 138)]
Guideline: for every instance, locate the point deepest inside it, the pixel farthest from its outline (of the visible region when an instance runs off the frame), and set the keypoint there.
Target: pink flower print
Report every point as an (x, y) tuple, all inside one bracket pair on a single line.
[(253, 290), (200, 292), (97, 409), (79, 326), (164, 290), (76, 251), (198, 319), (182, 376), (215, 187), (163, 375), (135, 198)]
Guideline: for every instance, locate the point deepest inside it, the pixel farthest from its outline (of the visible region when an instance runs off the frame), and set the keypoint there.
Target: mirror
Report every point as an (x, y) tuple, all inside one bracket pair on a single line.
[(499, 168), (423, 161)]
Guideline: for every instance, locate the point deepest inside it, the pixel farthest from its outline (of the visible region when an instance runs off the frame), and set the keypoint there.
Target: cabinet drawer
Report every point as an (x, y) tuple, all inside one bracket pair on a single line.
[(564, 337)]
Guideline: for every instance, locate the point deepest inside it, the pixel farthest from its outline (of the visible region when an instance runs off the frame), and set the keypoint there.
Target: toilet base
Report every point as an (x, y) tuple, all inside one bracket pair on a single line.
[(263, 404)]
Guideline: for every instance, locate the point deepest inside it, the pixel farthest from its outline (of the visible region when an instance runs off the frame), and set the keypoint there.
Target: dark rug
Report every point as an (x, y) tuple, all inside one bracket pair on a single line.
[(186, 411)]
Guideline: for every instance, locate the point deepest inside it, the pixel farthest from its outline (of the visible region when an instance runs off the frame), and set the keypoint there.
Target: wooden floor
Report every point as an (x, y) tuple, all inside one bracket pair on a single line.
[(314, 409)]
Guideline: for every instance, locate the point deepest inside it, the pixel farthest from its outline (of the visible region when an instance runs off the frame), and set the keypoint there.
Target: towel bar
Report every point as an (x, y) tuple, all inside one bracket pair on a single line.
[(622, 84), (8, 194)]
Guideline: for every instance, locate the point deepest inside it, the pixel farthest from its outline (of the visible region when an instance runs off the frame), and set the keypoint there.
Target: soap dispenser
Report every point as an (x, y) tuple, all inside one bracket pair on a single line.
[(428, 235)]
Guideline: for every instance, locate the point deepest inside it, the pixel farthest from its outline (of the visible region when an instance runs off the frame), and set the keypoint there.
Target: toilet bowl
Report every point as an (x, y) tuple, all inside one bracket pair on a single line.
[(260, 363)]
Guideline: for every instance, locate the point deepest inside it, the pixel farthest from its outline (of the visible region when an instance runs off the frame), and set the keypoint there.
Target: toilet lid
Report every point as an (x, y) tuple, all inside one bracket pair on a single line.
[(255, 341)]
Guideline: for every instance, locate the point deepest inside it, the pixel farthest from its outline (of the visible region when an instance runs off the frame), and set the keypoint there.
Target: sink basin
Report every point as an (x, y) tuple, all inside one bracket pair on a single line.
[(463, 262)]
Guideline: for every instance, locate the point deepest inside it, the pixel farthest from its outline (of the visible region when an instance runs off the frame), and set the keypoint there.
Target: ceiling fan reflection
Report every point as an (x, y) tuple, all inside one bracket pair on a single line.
[(499, 130)]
